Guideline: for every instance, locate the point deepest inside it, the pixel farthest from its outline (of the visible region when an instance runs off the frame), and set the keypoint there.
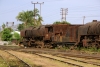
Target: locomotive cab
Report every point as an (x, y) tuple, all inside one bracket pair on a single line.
[(48, 32)]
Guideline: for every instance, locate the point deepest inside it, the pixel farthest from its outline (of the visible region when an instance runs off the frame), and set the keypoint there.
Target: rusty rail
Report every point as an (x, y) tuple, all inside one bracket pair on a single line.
[(25, 64), (59, 60)]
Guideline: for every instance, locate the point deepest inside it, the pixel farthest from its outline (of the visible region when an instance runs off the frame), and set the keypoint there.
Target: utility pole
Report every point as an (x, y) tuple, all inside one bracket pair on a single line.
[(83, 19), (34, 7), (40, 6), (64, 12), (62, 9)]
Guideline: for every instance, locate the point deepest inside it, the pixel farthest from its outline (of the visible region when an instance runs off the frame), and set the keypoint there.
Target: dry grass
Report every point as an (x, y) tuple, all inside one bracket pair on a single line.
[(71, 61), (2, 63), (83, 59), (39, 61), (10, 60)]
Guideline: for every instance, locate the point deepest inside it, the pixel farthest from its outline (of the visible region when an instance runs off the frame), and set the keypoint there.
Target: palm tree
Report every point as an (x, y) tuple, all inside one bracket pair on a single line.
[(28, 17), (25, 17), (39, 20)]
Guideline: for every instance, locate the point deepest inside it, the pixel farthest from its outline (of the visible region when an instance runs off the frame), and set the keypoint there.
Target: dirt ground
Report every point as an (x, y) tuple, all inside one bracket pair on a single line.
[(20, 48), (37, 61)]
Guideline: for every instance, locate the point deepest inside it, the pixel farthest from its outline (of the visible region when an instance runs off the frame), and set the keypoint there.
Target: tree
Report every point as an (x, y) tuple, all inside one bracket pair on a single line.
[(28, 18), (39, 21), (16, 36), (3, 26), (25, 17), (6, 34), (63, 22), (20, 27), (57, 22)]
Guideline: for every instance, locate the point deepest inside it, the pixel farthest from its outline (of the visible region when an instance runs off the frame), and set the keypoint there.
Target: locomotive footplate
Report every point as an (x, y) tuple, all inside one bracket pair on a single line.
[(63, 44)]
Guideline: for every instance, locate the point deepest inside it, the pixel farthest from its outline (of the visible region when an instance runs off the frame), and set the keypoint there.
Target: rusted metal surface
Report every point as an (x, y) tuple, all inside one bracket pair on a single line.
[(94, 28), (73, 30), (22, 33), (38, 31), (59, 32), (83, 30), (62, 32), (92, 32), (28, 32)]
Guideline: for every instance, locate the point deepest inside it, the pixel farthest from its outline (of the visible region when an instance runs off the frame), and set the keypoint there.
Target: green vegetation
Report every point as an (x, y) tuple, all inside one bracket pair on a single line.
[(63, 22), (16, 36), (29, 18), (21, 26), (3, 26), (92, 49), (6, 34), (3, 63)]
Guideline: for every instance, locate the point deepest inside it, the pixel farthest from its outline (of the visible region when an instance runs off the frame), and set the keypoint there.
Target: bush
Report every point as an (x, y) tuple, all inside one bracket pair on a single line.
[(6, 34)]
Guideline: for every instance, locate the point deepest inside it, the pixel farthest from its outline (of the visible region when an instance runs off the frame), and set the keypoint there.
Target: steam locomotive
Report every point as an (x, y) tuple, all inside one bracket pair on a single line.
[(64, 35)]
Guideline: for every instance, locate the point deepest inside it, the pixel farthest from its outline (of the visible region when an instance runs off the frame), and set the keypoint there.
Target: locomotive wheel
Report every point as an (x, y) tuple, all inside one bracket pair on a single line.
[(25, 44), (40, 44), (47, 45), (29, 43)]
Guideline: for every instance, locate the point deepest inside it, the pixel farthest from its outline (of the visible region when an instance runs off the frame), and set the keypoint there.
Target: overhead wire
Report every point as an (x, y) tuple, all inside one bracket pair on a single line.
[(52, 1), (69, 10), (54, 15)]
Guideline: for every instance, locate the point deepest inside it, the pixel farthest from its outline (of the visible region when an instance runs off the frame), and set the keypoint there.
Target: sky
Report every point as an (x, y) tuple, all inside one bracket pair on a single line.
[(51, 10)]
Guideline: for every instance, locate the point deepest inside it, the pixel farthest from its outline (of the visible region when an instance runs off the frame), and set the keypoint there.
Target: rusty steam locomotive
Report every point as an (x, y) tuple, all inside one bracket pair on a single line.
[(87, 35)]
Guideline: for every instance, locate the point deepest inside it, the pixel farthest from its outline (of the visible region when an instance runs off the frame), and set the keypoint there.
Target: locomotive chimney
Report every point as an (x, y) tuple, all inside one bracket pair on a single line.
[(94, 21)]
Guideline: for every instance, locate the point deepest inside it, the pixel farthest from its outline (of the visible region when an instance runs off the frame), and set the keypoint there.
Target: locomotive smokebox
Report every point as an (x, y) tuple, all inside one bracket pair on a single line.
[(94, 28)]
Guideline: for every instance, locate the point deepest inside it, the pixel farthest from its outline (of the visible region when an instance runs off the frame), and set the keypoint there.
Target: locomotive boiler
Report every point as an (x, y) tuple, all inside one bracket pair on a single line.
[(89, 34)]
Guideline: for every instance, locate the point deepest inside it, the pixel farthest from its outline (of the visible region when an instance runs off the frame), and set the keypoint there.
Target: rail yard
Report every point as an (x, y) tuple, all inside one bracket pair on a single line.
[(32, 35), (57, 45), (28, 57)]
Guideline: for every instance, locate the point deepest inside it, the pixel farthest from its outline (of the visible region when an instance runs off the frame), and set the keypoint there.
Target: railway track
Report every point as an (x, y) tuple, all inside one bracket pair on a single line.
[(66, 57), (12, 60), (59, 60), (77, 63), (83, 60), (90, 62), (64, 53)]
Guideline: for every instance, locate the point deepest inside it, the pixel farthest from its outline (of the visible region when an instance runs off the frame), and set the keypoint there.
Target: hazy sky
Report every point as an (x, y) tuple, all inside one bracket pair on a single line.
[(9, 9)]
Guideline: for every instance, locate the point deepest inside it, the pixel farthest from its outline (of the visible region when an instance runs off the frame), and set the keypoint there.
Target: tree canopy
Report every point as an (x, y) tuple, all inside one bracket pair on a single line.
[(59, 22), (6, 34), (29, 18), (21, 26), (16, 36)]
